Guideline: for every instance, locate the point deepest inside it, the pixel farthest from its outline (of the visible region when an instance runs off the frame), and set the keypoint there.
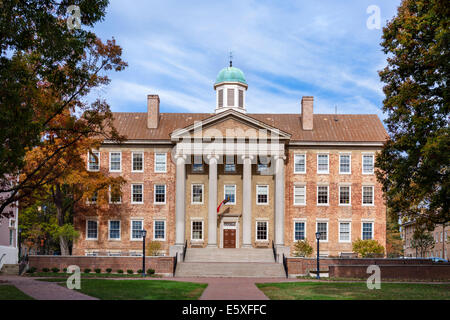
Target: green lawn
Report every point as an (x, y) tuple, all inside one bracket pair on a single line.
[(8, 292), (354, 291), (138, 289)]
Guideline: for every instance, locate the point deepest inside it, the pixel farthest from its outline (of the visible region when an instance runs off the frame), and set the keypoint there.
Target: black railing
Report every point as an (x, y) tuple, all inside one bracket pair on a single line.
[(274, 251), (285, 266), (175, 264), (184, 250)]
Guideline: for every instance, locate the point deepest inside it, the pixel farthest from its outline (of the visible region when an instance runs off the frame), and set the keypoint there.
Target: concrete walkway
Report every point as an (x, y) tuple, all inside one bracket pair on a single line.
[(42, 290)]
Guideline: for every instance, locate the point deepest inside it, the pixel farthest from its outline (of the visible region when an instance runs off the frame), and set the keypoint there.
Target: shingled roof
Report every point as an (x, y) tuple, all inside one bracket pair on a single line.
[(327, 127)]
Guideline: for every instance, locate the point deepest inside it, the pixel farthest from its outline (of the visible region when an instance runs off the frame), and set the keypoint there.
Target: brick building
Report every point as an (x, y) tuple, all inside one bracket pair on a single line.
[(286, 176), (441, 248)]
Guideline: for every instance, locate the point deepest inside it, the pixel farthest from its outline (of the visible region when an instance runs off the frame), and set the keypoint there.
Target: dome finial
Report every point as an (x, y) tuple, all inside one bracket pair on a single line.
[(231, 59)]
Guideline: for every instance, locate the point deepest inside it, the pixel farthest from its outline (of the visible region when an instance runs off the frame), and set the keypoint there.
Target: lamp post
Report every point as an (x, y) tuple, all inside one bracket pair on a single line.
[(318, 264), (19, 242), (144, 234)]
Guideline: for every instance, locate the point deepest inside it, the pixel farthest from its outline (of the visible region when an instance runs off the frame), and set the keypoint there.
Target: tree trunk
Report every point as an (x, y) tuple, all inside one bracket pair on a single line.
[(58, 200), (64, 246)]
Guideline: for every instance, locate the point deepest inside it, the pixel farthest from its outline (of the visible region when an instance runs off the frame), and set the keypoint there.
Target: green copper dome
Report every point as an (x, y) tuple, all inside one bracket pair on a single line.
[(230, 74)]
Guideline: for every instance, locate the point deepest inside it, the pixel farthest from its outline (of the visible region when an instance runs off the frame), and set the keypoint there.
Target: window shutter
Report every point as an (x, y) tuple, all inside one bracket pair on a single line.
[(241, 99), (220, 98), (230, 97)]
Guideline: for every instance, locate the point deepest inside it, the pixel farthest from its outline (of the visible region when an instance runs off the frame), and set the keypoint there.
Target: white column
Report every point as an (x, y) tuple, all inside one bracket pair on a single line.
[(212, 201), (247, 202), (279, 200), (180, 203)]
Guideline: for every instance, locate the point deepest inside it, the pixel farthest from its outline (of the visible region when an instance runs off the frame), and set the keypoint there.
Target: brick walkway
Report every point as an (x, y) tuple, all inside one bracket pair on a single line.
[(41, 290)]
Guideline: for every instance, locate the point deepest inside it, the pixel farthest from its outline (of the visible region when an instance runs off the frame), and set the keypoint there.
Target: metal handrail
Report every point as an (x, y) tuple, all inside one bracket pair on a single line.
[(175, 264), (285, 266), (274, 251), (184, 250), (1, 258)]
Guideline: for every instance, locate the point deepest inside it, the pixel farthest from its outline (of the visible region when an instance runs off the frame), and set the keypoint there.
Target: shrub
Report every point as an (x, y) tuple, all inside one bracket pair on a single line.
[(65, 270), (139, 271), (32, 270), (302, 248), (87, 270), (120, 271), (368, 248), (153, 248), (98, 270), (108, 270), (150, 271), (45, 269), (55, 270), (130, 271)]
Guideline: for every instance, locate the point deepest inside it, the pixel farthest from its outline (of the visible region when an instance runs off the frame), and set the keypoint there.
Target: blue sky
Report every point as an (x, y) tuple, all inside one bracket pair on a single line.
[(287, 49)]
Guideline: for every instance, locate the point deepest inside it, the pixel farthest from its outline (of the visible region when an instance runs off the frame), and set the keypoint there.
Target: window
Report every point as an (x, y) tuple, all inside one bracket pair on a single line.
[(160, 193), (262, 167), (197, 230), (262, 194), (344, 164), (367, 230), (115, 161), (367, 164), (160, 162), (299, 195), (114, 195), (230, 97), (230, 193), (300, 163), (344, 231), (94, 161), (197, 194), (367, 196), (230, 166), (137, 193), (11, 237), (322, 163), (241, 99), (322, 228), (114, 230), (220, 98), (159, 230), (138, 162), (197, 167), (93, 198), (91, 230), (136, 229), (299, 230), (261, 231), (344, 195), (322, 195)]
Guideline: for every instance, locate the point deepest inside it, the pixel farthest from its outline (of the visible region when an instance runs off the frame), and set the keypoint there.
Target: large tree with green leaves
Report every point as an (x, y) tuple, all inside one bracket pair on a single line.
[(414, 163), (47, 69)]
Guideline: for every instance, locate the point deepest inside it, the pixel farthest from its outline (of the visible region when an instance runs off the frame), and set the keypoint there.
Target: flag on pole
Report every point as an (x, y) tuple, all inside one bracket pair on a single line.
[(222, 203)]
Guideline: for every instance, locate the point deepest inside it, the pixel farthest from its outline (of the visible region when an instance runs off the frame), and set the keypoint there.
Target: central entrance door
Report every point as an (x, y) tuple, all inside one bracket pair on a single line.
[(229, 235)]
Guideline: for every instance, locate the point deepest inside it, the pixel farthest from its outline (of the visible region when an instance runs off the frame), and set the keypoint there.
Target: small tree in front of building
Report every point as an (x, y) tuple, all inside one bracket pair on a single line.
[(368, 248), (153, 248), (422, 241), (302, 248)]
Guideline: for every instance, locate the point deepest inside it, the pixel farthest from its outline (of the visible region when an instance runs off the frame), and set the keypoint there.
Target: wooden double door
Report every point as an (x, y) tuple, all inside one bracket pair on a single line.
[(229, 238)]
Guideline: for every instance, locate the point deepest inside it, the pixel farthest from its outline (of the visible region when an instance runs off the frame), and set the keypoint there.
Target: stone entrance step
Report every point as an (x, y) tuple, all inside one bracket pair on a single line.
[(229, 255), (10, 269), (230, 269)]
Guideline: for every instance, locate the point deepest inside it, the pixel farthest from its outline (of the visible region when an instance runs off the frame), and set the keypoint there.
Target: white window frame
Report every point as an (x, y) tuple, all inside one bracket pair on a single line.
[(373, 196), (304, 157), (192, 193), (257, 193), (89, 160), (328, 229), (328, 195), (229, 203), (299, 186), (350, 163), (298, 221), (349, 234), (87, 229), (349, 195), (154, 194), (131, 228), (373, 163), (192, 230), (267, 231), (132, 160), (110, 158), (362, 229), (132, 201), (165, 162), (109, 231), (328, 163), (109, 197), (154, 230)]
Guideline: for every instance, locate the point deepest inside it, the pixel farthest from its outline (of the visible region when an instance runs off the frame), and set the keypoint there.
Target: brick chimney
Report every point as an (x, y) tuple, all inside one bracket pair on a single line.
[(152, 111), (307, 113)]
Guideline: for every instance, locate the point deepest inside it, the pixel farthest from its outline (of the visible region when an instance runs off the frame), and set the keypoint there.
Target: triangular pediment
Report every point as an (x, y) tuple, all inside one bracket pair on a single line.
[(230, 124)]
